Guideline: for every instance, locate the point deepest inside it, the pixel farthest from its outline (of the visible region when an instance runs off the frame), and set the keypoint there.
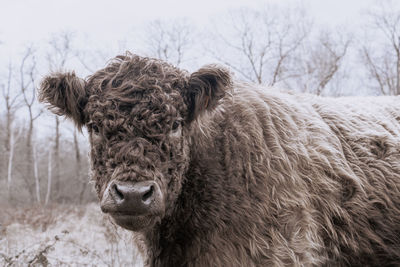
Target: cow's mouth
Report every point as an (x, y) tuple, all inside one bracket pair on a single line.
[(133, 222)]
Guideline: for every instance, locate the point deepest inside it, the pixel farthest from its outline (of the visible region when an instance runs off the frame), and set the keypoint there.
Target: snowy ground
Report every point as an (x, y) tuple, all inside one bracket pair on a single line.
[(63, 235)]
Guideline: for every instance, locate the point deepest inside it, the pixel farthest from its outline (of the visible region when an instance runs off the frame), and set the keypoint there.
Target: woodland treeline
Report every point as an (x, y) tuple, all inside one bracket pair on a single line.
[(44, 159)]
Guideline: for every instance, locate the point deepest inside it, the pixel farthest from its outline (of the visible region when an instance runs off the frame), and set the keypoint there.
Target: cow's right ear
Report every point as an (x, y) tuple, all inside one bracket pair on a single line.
[(205, 88), (66, 94)]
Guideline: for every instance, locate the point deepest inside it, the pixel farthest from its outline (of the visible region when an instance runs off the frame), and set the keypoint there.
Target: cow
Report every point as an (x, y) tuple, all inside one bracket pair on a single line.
[(208, 170)]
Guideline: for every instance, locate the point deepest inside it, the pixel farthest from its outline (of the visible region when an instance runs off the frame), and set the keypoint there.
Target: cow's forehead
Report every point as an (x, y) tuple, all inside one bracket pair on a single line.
[(139, 90), (137, 73), (149, 110)]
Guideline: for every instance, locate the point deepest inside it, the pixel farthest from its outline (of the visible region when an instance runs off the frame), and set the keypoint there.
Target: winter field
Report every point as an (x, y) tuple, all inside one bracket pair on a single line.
[(328, 48), (64, 235)]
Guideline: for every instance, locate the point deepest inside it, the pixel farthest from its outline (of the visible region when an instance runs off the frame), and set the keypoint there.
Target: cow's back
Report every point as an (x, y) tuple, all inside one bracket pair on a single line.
[(340, 159), (284, 179), (369, 132)]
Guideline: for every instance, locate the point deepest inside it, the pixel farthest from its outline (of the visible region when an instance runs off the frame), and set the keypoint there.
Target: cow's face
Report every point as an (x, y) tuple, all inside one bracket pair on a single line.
[(139, 145), (138, 113)]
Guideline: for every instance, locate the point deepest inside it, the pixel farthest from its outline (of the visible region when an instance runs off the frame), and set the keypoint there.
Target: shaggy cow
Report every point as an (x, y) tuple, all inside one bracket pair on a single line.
[(212, 172)]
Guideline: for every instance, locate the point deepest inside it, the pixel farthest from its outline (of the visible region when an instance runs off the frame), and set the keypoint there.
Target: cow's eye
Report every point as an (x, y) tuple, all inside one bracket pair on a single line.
[(95, 129), (175, 125)]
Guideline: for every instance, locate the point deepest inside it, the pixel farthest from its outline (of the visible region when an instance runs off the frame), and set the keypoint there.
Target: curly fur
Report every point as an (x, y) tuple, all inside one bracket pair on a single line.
[(253, 177), (66, 94)]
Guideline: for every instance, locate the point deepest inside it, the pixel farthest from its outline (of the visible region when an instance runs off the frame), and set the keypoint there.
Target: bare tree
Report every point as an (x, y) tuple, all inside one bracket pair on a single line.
[(261, 42), (92, 59), (14, 137), (12, 104), (27, 84), (78, 163), (382, 57), (319, 61), (35, 173), (169, 40), (83, 58), (57, 57), (57, 159), (60, 50), (49, 177)]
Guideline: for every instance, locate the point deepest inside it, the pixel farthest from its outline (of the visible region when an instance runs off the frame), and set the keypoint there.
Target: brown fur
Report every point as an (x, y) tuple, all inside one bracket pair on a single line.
[(252, 177)]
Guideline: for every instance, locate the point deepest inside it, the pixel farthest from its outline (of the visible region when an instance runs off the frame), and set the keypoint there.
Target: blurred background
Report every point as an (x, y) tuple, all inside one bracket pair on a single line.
[(48, 209)]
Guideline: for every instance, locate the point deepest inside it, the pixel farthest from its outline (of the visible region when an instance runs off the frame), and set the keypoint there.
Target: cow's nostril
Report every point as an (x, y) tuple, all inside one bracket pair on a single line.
[(117, 192), (148, 194)]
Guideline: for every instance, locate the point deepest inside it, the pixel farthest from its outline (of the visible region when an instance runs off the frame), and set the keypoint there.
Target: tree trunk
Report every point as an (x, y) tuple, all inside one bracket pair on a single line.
[(49, 178), (10, 166), (7, 143), (36, 175), (57, 159), (78, 167), (14, 136), (29, 159)]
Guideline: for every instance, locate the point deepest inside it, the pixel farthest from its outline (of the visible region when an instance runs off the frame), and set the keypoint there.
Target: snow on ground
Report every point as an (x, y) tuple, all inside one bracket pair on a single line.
[(64, 235)]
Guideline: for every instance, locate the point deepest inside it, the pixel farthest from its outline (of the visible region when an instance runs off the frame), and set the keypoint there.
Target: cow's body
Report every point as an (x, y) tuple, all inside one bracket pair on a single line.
[(272, 179), (278, 179)]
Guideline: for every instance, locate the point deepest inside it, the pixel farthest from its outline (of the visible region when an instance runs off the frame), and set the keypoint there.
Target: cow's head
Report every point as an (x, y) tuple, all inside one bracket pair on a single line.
[(138, 112)]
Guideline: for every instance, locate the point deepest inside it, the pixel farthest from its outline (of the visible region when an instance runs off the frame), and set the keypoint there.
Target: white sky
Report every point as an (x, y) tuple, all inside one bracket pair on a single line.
[(105, 21)]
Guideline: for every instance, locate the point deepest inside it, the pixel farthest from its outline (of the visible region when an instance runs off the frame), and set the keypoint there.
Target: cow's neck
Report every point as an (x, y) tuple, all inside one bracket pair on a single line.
[(184, 234), (168, 243)]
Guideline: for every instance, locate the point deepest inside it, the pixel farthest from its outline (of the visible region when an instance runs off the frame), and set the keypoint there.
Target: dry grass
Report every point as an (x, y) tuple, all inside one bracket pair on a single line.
[(63, 235)]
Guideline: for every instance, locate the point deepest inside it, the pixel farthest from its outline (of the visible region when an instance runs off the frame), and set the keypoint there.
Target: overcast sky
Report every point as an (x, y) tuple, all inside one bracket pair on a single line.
[(104, 21)]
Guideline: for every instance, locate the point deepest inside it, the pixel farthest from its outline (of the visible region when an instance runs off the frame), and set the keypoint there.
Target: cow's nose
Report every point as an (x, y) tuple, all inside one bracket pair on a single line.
[(130, 198), (136, 194)]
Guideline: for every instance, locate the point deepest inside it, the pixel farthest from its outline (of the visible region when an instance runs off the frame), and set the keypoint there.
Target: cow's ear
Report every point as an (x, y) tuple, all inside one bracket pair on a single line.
[(66, 95), (206, 86)]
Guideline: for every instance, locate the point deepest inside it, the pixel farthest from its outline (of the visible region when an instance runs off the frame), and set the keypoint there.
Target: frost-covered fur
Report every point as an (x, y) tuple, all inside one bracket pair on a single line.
[(253, 177)]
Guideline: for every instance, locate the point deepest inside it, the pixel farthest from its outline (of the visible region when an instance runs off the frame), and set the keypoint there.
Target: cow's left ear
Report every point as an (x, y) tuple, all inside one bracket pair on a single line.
[(66, 95), (206, 86)]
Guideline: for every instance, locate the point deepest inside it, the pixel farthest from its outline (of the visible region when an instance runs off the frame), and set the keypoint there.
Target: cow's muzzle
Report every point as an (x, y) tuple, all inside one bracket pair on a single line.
[(133, 206)]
